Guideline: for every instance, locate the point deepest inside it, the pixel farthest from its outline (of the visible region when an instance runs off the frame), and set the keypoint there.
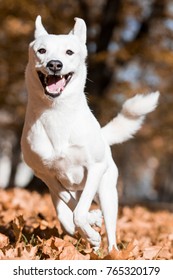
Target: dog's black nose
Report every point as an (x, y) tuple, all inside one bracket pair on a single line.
[(54, 65)]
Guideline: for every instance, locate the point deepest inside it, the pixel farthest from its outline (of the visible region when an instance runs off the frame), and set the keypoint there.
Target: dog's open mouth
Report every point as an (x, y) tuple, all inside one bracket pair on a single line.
[(54, 84)]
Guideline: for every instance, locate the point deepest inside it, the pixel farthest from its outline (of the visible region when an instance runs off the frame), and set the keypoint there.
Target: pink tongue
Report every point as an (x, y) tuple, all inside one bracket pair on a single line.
[(55, 84)]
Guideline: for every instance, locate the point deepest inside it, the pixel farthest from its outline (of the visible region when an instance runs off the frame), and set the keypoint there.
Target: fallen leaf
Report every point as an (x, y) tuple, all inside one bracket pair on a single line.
[(152, 252), (29, 252), (70, 253), (4, 240), (11, 254), (17, 226), (50, 249), (124, 254)]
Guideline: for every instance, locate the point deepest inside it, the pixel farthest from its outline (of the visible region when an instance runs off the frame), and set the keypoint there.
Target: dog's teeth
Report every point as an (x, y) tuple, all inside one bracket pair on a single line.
[(61, 76)]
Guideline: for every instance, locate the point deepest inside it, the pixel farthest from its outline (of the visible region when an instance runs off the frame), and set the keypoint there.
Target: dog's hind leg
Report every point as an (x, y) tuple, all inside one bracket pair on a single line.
[(109, 203)]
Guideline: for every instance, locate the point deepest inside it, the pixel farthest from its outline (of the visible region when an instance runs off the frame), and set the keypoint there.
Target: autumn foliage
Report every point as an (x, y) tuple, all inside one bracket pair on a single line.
[(29, 230)]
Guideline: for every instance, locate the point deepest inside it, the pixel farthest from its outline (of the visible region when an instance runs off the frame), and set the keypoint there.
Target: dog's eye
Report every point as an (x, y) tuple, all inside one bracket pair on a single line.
[(69, 52), (42, 51)]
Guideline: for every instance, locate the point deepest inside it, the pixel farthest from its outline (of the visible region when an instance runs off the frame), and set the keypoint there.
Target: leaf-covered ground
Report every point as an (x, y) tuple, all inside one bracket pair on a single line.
[(29, 229)]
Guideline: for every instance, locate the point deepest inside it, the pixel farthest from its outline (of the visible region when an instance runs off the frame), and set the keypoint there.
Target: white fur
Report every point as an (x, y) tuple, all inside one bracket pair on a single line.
[(63, 142), (130, 119)]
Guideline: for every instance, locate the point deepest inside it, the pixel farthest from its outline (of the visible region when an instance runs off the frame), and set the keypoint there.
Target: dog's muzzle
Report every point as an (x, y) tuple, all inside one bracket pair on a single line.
[(53, 83)]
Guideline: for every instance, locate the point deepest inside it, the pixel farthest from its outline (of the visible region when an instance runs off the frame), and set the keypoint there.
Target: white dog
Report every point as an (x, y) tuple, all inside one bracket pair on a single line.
[(63, 142)]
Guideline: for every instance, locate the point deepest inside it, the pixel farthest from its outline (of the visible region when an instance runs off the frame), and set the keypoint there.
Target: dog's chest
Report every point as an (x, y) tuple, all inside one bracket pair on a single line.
[(70, 167), (57, 156)]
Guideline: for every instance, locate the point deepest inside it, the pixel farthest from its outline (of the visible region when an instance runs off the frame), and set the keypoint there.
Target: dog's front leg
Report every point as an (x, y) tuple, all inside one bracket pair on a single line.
[(64, 202), (94, 176), (64, 213)]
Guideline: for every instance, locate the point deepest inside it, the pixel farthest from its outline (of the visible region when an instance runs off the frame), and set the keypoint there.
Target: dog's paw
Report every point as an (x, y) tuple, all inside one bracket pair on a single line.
[(95, 240), (95, 217)]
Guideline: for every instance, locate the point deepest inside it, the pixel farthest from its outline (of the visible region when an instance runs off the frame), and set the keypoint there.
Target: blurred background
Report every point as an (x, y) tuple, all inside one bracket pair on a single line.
[(130, 45)]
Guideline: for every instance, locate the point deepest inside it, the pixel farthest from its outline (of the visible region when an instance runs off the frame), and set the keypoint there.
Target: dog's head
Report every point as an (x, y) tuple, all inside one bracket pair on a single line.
[(58, 59)]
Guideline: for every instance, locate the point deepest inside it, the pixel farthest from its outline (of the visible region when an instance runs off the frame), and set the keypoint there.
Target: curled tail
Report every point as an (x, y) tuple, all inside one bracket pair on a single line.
[(130, 119)]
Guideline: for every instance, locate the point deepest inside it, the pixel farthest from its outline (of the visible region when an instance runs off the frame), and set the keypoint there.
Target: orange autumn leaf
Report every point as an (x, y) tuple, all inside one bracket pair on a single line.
[(17, 226), (155, 252), (124, 254), (70, 253), (29, 252), (4, 240)]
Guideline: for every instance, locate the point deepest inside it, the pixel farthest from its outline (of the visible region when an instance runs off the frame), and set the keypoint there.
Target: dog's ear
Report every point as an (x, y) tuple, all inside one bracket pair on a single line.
[(39, 28), (79, 30)]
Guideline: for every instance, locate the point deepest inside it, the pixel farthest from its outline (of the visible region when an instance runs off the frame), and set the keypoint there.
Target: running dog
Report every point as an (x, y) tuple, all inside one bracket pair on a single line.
[(63, 142)]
